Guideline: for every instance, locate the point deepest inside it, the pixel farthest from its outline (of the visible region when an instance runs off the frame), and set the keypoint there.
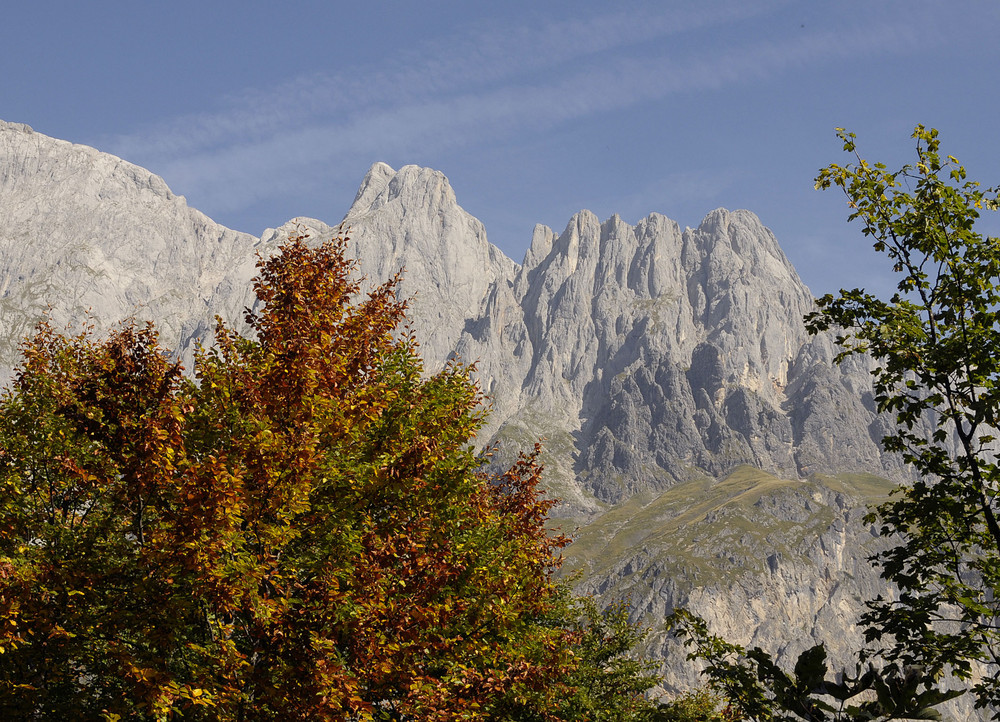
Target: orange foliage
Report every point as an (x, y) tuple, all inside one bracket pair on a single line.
[(299, 532)]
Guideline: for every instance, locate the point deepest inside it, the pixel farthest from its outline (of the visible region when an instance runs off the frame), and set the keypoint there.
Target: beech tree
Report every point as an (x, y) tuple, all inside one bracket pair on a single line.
[(300, 531)]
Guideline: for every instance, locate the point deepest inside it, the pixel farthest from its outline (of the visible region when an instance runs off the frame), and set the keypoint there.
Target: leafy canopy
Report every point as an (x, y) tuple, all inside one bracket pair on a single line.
[(299, 532), (934, 343), (758, 689)]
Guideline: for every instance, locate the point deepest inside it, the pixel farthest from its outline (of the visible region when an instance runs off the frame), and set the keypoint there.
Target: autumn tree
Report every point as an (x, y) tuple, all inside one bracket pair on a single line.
[(300, 531)]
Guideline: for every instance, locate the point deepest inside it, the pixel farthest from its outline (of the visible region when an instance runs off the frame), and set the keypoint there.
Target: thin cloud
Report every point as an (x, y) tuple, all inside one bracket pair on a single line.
[(480, 58), (231, 159)]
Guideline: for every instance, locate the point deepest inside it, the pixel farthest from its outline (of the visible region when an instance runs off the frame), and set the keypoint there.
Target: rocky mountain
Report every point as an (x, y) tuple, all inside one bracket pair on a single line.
[(707, 451), (645, 355), (92, 235)]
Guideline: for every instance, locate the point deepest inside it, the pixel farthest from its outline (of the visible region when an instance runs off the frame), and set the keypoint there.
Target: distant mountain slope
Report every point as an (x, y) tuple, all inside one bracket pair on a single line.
[(707, 451), (86, 232), (645, 354)]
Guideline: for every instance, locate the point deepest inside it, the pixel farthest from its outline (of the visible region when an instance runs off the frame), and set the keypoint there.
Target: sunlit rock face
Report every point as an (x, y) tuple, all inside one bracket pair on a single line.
[(707, 451), (645, 355), (92, 236)]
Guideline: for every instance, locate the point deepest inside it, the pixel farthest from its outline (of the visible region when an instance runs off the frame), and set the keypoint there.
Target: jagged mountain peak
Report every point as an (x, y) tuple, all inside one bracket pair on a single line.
[(749, 240), (541, 244), (411, 186), (30, 153), (409, 220), (299, 226), (413, 214), (374, 182), (688, 418)]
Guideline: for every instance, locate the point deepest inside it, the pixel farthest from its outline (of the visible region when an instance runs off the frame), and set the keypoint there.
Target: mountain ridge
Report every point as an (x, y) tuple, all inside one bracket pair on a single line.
[(707, 451)]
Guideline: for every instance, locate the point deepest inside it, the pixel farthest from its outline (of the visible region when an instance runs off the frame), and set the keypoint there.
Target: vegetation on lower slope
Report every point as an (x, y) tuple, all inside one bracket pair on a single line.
[(706, 532), (934, 347)]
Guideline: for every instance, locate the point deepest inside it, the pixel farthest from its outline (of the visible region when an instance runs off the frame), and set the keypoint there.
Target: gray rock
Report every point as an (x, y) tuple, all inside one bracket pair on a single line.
[(707, 451), (91, 237)]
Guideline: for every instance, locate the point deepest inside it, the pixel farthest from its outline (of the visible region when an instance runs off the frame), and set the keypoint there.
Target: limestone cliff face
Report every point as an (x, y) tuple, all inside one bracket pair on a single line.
[(459, 284), (645, 355), (707, 451), (672, 347), (88, 233)]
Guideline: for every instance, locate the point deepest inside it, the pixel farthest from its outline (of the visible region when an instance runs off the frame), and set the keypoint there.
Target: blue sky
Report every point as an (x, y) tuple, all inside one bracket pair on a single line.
[(261, 111)]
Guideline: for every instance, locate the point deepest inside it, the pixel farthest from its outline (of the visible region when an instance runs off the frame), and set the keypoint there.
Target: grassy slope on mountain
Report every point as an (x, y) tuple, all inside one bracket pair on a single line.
[(704, 531)]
